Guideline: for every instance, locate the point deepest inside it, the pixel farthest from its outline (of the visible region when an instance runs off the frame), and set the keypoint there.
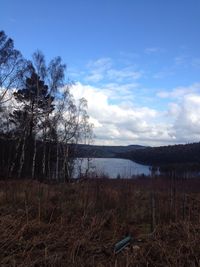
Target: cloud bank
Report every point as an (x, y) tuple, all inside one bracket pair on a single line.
[(124, 123)]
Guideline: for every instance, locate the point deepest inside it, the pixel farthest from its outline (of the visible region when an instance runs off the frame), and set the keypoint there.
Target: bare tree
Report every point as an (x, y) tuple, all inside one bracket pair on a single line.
[(12, 66), (87, 137), (71, 123)]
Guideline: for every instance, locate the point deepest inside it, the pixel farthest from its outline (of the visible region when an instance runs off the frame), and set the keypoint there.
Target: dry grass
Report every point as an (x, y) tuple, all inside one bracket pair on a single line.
[(78, 224)]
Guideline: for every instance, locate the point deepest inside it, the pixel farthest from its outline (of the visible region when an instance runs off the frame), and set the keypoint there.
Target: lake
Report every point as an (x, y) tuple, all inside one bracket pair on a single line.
[(111, 167)]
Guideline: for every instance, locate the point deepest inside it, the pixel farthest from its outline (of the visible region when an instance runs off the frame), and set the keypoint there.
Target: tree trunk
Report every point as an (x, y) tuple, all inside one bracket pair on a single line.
[(49, 162), (15, 158), (22, 157), (34, 158), (65, 168), (57, 159), (44, 159)]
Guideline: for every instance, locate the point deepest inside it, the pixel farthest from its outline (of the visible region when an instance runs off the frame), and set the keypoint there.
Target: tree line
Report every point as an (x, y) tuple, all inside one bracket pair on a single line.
[(181, 158), (41, 123)]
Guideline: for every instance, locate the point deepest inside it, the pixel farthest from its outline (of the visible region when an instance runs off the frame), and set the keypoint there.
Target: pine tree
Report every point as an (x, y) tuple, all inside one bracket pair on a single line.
[(34, 102)]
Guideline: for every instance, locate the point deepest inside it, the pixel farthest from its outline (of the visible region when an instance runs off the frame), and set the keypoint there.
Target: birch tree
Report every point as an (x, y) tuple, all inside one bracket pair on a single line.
[(12, 67)]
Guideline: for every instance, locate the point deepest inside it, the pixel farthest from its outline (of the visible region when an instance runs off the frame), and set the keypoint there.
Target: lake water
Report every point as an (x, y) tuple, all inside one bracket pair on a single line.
[(111, 167)]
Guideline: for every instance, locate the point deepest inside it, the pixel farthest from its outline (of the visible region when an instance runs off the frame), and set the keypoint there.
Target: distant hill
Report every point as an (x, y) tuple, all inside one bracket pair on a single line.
[(165, 155), (97, 151)]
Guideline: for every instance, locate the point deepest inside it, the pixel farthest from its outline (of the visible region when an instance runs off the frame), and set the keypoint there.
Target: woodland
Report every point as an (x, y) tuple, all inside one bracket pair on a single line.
[(41, 123)]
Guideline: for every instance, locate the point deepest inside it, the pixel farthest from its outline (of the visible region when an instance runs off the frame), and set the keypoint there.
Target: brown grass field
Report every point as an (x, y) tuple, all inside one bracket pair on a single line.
[(78, 224)]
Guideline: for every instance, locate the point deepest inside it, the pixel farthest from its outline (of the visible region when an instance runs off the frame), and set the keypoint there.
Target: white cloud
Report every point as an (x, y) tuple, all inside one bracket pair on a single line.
[(173, 110), (179, 92), (121, 124), (94, 77), (101, 63), (97, 69), (122, 74), (126, 123), (187, 118), (103, 70)]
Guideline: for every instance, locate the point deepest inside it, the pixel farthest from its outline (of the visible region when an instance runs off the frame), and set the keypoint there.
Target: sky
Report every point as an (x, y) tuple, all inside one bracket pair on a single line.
[(137, 62)]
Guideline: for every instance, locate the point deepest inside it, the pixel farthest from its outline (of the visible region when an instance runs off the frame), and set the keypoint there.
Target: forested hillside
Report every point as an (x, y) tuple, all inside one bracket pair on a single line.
[(95, 151), (166, 155)]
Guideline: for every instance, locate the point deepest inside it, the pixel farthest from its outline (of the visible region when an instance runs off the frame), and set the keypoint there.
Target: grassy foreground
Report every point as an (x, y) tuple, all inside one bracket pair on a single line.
[(78, 224)]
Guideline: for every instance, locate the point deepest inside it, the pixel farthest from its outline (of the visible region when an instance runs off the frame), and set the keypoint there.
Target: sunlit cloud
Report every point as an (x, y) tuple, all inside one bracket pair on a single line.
[(122, 124), (126, 124)]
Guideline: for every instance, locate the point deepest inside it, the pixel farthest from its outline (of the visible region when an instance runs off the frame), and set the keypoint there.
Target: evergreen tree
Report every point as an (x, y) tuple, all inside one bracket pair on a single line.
[(34, 102)]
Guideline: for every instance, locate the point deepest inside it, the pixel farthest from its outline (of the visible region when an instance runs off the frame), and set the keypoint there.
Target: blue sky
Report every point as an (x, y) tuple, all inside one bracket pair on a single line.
[(136, 61)]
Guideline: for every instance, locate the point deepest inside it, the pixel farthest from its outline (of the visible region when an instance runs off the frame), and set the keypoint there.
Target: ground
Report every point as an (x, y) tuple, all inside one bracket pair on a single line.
[(78, 224)]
